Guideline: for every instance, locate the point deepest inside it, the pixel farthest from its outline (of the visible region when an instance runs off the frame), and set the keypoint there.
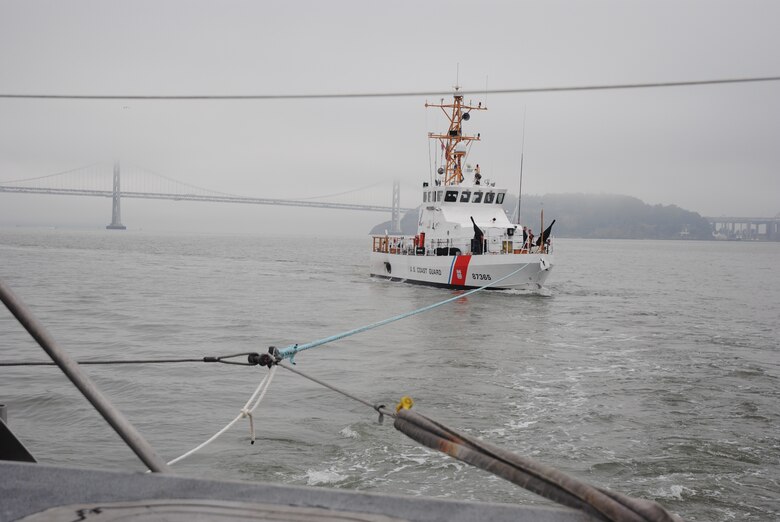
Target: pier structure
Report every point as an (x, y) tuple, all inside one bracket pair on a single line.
[(746, 228)]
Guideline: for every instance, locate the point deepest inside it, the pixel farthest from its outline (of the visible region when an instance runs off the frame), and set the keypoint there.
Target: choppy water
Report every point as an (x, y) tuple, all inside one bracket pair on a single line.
[(651, 369)]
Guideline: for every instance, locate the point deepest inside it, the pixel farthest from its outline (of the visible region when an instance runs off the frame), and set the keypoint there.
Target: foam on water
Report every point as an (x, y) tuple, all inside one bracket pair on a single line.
[(349, 433), (323, 477)]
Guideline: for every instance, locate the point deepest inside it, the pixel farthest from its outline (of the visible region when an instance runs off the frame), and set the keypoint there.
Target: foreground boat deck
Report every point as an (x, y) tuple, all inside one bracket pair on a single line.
[(29, 490)]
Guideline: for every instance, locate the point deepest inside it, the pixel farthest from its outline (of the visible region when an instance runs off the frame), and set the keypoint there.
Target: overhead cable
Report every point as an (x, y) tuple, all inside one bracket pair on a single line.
[(313, 96)]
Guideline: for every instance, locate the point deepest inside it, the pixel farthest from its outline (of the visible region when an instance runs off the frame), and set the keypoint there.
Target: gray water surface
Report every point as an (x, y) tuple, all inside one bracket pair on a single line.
[(651, 368)]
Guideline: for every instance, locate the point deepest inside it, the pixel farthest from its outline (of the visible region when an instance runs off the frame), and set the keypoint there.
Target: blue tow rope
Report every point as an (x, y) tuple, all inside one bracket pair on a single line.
[(290, 351)]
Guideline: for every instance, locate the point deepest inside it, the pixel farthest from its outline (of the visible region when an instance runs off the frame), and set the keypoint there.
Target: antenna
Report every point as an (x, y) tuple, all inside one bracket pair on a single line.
[(522, 151)]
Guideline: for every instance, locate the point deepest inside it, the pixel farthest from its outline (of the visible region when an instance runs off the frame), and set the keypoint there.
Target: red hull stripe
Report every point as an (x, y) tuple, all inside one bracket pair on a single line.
[(459, 268)]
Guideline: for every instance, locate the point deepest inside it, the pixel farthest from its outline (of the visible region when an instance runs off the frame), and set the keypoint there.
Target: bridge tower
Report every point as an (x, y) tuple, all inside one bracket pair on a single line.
[(116, 214), (395, 219)]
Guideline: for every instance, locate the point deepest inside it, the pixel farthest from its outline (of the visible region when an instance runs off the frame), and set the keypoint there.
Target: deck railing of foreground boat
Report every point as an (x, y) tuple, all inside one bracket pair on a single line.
[(408, 246)]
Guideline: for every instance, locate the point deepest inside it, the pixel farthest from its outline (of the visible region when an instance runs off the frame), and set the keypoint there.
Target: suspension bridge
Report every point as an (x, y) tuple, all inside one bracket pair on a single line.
[(129, 181)]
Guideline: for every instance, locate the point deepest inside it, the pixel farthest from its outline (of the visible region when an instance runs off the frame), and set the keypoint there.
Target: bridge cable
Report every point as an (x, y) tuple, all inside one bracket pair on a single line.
[(344, 192), (526, 90), (188, 185), (85, 167)]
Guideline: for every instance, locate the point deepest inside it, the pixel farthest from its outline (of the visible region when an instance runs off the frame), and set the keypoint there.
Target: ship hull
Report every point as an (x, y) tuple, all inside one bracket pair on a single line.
[(465, 271)]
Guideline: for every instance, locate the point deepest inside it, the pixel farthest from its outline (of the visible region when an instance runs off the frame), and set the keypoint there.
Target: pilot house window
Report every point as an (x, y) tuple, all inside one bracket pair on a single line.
[(500, 198), (489, 197), (451, 196), (477, 197), (464, 196)]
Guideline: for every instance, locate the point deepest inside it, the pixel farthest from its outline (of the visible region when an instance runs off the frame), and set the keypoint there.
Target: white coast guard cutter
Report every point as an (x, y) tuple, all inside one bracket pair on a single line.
[(464, 238)]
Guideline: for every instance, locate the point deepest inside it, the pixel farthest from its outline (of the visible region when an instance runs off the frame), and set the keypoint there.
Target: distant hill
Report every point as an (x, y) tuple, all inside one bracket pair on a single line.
[(603, 216)]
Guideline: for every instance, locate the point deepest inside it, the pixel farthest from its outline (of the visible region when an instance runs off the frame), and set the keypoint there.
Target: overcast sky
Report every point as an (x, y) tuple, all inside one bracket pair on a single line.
[(711, 149)]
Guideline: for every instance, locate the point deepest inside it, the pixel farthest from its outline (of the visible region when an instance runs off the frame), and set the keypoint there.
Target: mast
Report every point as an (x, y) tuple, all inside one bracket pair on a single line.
[(455, 144), (520, 190)]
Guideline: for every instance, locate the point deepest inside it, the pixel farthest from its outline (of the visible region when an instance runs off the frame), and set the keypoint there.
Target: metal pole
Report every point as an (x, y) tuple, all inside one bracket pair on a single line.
[(116, 198), (113, 416)]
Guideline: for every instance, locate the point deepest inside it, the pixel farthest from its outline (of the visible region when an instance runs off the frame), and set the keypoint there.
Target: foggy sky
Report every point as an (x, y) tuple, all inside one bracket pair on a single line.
[(711, 149)]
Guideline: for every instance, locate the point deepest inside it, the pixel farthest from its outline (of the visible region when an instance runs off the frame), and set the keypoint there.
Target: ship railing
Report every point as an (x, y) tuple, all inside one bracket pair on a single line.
[(381, 244), (406, 245), (388, 244), (501, 245)]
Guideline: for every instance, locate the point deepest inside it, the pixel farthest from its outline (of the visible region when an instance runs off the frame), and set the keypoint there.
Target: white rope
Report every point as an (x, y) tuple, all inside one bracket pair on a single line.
[(250, 411), (246, 411)]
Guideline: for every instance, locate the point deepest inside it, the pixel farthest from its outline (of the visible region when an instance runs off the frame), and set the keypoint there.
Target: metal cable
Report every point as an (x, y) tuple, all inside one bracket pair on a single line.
[(84, 363), (382, 409), (207, 359)]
